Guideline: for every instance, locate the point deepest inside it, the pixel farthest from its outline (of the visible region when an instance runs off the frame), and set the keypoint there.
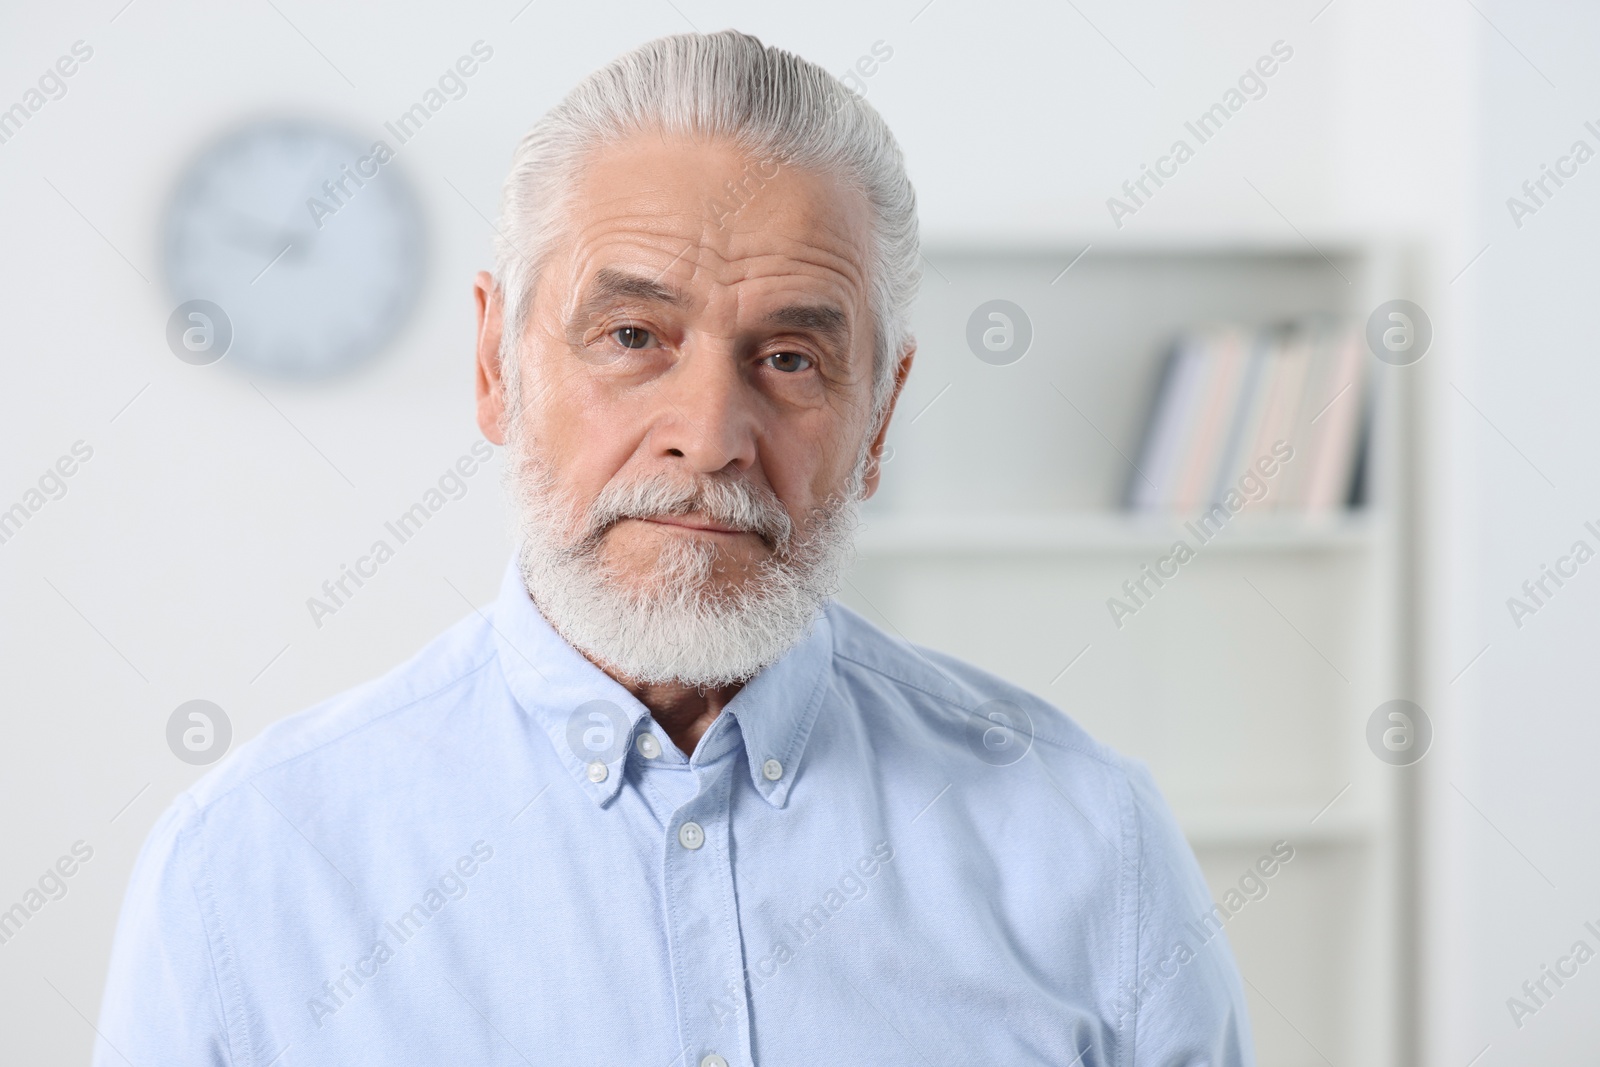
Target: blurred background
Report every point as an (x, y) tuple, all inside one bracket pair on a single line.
[(1375, 246)]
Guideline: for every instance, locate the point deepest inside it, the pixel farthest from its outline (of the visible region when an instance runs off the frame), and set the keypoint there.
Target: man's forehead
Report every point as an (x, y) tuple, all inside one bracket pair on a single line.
[(654, 219)]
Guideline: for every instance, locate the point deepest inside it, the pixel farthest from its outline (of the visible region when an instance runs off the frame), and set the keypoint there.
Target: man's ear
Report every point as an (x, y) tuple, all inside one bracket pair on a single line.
[(874, 457), (491, 390)]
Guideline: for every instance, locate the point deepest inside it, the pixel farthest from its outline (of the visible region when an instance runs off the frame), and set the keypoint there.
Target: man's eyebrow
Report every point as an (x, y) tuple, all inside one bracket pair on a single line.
[(613, 284), (815, 318)]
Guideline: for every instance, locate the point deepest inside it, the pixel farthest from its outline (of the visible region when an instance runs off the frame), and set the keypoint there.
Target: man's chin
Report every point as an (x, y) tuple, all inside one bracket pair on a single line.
[(715, 593), (686, 622), (682, 562), (656, 605)]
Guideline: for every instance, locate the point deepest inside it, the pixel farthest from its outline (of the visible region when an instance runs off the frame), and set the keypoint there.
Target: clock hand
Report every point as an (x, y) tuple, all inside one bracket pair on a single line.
[(326, 168), (245, 221), (251, 241), (301, 242), (251, 233)]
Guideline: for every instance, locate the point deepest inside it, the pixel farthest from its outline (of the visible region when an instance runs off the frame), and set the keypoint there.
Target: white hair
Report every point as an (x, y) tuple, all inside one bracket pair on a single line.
[(726, 85)]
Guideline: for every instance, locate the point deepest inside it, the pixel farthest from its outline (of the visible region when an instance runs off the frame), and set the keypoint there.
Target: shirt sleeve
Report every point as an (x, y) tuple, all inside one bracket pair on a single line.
[(1187, 1000), (163, 1002)]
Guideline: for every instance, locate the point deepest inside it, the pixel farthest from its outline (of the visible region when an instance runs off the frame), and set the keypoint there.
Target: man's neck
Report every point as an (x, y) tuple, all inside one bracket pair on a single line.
[(684, 712)]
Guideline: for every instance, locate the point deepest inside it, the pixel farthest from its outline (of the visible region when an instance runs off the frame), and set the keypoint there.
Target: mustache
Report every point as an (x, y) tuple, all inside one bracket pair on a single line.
[(730, 501)]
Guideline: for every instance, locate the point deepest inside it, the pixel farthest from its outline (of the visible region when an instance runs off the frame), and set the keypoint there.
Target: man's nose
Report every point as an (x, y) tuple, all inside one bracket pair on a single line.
[(708, 411)]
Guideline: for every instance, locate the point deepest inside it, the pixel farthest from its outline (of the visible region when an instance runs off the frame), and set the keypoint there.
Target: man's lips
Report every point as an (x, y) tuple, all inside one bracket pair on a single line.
[(689, 522)]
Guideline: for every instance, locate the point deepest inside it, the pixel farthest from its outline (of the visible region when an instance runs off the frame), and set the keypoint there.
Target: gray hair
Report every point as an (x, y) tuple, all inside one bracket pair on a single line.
[(765, 100)]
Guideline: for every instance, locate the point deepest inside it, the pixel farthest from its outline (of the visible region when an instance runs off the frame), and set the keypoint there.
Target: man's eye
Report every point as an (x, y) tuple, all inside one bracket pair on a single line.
[(632, 337), (788, 362)]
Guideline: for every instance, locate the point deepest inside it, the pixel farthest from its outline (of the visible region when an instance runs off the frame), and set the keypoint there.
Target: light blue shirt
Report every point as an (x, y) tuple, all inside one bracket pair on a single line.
[(493, 855)]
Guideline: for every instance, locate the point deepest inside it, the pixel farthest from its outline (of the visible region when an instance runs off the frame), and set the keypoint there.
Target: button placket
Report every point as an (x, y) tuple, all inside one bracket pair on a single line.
[(703, 924)]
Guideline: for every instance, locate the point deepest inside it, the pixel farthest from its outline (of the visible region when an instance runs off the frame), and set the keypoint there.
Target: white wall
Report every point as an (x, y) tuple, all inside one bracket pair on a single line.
[(1514, 799)]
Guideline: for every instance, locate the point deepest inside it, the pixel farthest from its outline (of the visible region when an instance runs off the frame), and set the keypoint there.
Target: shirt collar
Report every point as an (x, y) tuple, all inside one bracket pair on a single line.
[(590, 718)]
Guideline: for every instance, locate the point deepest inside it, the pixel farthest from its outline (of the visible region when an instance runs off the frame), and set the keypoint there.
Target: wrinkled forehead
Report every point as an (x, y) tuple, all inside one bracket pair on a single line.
[(708, 225)]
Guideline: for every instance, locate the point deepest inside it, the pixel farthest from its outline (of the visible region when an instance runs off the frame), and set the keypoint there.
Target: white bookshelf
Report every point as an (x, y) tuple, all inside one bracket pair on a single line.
[(1246, 682)]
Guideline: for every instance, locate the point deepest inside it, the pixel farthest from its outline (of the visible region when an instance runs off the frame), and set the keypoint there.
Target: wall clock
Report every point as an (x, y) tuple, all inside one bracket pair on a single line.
[(306, 236)]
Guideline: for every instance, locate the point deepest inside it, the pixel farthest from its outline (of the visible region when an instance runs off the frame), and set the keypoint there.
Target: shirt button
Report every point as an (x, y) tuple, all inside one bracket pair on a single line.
[(711, 1059), (648, 746), (598, 772), (691, 837), (772, 770)]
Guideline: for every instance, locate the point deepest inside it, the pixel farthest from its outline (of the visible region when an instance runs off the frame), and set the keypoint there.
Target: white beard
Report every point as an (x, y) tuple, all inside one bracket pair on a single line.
[(681, 622)]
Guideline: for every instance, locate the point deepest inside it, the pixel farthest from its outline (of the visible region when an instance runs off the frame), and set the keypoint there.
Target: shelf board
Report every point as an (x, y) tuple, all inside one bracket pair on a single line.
[(1101, 533)]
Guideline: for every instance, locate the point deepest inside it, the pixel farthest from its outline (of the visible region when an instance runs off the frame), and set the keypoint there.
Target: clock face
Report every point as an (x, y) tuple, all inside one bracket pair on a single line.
[(306, 237)]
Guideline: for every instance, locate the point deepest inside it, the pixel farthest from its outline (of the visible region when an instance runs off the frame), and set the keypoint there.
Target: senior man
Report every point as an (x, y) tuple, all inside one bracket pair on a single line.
[(666, 803)]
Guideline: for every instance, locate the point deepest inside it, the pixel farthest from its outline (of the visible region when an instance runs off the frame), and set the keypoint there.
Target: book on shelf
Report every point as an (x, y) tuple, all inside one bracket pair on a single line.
[(1231, 403)]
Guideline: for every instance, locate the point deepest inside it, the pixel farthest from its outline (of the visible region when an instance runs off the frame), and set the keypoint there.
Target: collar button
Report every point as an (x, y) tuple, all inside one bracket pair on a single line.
[(772, 770)]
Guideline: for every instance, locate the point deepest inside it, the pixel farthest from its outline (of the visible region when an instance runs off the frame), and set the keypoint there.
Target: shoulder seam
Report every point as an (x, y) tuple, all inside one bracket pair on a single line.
[(1061, 743), (466, 673)]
